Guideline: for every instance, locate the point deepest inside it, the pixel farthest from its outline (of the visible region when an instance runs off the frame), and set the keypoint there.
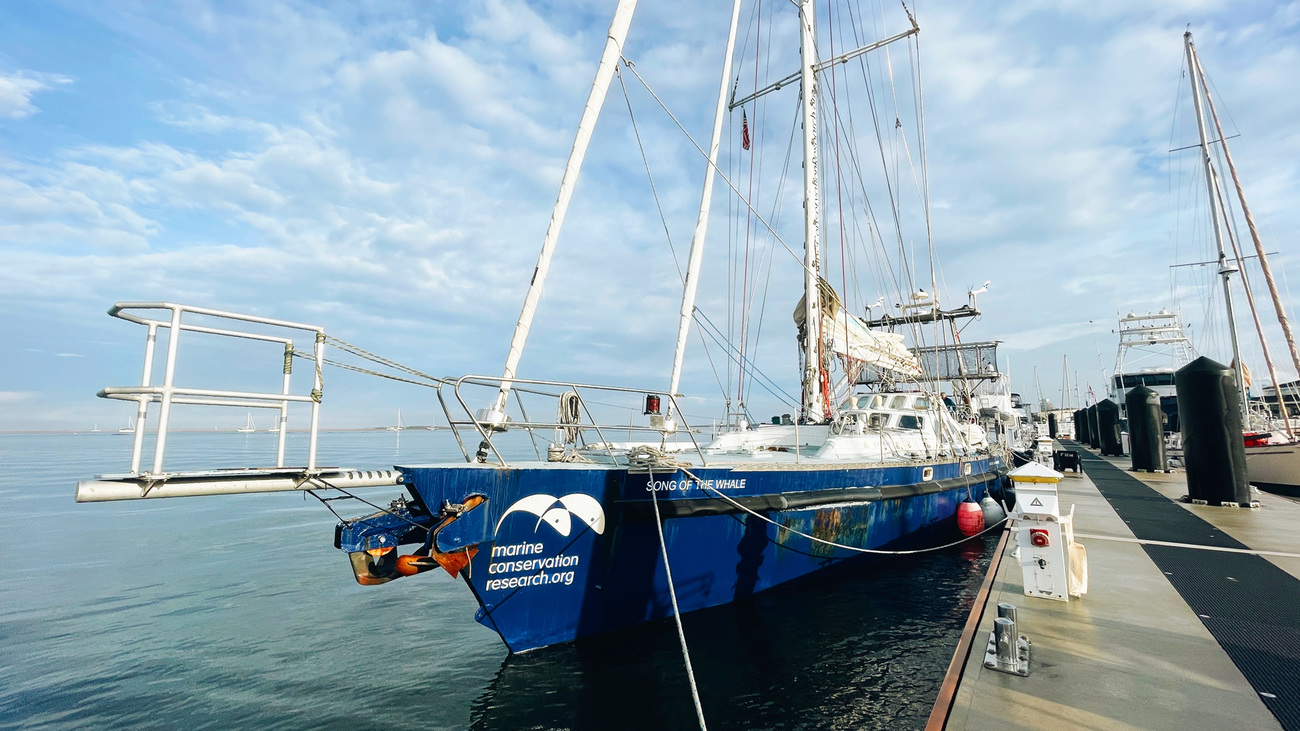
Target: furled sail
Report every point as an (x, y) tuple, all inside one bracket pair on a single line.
[(847, 335)]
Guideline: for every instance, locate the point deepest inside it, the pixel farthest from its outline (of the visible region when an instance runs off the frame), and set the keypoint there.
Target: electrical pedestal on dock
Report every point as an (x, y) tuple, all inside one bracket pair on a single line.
[(1043, 451), (1054, 566)]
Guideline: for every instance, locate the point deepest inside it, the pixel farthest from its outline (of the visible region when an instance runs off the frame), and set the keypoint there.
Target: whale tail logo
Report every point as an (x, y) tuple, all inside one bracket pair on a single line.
[(559, 512)]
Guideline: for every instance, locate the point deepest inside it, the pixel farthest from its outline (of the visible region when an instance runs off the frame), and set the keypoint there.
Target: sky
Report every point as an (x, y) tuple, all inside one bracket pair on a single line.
[(386, 170)]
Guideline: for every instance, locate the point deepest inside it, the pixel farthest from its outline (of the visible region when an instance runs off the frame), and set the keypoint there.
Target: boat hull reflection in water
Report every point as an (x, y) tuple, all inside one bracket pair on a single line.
[(861, 649)]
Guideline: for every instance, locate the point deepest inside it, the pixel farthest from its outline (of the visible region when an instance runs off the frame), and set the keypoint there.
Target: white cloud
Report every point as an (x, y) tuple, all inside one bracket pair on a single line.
[(17, 89)]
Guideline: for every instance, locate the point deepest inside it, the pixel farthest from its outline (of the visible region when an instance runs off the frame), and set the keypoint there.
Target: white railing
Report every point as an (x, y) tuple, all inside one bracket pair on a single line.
[(479, 423), (168, 393)]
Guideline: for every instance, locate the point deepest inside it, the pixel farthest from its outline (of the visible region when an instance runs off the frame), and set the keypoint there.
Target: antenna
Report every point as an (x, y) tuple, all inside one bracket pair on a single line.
[(1101, 366)]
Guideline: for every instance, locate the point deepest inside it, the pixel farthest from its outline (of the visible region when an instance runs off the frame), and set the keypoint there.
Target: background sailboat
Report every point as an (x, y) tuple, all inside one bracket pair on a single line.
[(1272, 460), (248, 426), (399, 426)]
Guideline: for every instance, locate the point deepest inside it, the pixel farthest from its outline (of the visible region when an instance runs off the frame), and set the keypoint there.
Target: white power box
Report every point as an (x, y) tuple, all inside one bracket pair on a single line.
[(1052, 564)]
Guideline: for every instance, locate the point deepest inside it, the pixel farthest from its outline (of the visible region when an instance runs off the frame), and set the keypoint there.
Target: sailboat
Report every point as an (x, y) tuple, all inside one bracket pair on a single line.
[(589, 540), (1273, 452), (248, 426), (594, 535), (129, 428), (399, 426)]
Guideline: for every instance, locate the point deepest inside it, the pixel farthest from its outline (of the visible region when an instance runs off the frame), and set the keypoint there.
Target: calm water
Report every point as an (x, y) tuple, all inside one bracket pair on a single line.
[(238, 612)]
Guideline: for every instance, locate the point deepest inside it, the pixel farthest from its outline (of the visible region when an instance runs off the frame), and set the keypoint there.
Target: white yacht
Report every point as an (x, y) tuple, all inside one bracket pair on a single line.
[(1152, 347)]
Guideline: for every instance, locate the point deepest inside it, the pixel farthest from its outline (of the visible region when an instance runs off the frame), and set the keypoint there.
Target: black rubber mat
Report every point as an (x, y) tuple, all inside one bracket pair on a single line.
[(1250, 606)]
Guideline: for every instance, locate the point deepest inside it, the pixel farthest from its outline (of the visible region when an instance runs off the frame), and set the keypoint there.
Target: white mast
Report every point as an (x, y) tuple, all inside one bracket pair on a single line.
[(1225, 269), (692, 282), (813, 408), (1065, 382), (604, 73)]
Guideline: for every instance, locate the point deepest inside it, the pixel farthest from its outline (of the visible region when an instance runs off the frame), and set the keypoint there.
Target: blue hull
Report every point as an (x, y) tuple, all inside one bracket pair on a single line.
[(569, 551)]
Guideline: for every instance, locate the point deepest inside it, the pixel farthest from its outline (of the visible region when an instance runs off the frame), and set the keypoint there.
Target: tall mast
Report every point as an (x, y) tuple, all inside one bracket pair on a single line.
[(692, 281), (495, 416), (1065, 381), (813, 407), (1038, 390), (1259, 251), (1225, 269)]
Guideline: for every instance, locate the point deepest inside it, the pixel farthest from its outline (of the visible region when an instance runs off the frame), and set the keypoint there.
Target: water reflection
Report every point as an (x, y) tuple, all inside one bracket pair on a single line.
[(865, 649), (242, 615)]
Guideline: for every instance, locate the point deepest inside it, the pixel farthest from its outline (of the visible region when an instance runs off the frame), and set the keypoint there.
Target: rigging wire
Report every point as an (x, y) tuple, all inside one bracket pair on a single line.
[(754, 157), (729, 348), (637, 133), (864, 66), (839, 175), (1172, 190), (632, 67), (658, 205), (366, 371), (777, 208)]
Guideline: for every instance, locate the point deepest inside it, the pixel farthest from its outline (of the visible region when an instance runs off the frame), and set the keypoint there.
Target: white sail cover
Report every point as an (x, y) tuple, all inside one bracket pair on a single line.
[(849, 336)]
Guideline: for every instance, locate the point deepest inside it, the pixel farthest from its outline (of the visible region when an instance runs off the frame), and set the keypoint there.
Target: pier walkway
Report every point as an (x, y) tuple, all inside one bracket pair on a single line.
[(1192, 617)]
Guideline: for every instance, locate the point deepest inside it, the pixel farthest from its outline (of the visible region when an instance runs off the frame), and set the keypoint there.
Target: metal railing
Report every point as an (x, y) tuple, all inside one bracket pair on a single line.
[(467, 419), (168, 393)]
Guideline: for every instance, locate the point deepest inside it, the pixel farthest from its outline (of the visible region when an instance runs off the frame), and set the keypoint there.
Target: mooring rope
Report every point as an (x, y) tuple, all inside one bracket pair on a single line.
[(677, 614)]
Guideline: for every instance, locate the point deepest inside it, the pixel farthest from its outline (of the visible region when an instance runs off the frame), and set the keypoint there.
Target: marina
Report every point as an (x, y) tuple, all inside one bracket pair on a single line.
[(751, 454)]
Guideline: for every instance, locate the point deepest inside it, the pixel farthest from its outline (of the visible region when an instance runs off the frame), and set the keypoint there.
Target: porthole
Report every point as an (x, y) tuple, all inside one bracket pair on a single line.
[(927, 474)]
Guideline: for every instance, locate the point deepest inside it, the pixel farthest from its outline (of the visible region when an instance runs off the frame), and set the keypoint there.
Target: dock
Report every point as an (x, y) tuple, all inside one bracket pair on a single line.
[(1191, 620)]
